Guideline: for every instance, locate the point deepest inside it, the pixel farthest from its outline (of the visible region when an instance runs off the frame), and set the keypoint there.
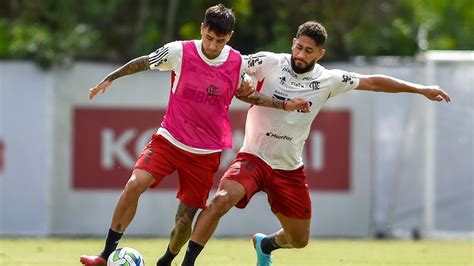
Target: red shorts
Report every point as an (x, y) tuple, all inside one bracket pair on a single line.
[(195, 171), (287, 190)]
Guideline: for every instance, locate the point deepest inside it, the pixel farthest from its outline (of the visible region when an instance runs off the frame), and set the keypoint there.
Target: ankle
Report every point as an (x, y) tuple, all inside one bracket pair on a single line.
[(192, 253), (167, 258), (269, 244)]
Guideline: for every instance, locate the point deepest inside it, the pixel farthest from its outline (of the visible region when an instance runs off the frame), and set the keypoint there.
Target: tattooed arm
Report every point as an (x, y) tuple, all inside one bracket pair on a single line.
[(248, 94), (134, 66), (261, 99)]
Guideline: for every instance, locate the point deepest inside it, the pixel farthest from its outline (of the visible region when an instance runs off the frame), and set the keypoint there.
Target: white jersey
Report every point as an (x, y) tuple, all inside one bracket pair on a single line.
[(169, 58), (276, 136)]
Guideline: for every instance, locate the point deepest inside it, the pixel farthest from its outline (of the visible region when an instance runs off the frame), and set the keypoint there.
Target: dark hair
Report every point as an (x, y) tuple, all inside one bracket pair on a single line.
[(314, 30), (219, 19)]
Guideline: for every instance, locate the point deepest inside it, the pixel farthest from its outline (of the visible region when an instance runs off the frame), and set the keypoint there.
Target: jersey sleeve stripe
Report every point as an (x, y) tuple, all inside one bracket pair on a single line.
[(159, 56)]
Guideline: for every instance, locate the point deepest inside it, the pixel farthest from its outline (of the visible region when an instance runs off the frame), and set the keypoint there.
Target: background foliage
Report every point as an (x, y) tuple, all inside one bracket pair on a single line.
[(53, 32)]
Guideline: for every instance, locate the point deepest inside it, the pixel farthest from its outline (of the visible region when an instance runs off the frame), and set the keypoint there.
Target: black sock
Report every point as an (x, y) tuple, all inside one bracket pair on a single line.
[(192, 252), (111, 243), (269, 244), (166, 259)]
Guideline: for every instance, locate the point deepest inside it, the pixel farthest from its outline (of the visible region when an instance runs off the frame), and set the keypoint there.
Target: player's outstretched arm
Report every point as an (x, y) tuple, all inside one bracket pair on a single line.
[(133, 66), (381, 83), (248, 94)]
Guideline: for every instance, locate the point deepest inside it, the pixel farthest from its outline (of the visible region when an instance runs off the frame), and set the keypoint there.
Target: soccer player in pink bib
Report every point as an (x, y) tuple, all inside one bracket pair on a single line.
[(270, 159), (205, 76)]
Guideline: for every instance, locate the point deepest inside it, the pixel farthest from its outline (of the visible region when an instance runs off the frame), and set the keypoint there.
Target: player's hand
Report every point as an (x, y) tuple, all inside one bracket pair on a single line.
[(246, 89), (435, 93), (297, 103), (101, 87)]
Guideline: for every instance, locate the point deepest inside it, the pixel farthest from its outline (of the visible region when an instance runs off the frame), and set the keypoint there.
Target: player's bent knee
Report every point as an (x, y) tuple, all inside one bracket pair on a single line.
[(220, 204), (132, 189), (138, 183), (135, 187)]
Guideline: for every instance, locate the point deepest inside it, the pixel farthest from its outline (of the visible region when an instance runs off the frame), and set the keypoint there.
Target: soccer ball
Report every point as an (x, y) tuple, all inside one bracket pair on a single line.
[(125, 257)]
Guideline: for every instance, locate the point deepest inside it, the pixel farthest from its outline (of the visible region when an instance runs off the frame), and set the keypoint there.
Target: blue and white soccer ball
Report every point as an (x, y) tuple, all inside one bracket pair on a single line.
[(125, 257)]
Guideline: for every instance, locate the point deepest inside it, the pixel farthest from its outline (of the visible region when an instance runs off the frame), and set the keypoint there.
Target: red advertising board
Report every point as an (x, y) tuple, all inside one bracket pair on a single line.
[(107, 141)]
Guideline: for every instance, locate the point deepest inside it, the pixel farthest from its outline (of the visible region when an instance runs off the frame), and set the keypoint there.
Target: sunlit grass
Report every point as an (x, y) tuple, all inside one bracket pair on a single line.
[(239, 252)]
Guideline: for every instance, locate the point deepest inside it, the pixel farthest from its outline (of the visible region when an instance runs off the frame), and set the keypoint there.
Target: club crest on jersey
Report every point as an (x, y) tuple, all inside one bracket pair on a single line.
[(212, 90), (208, 96), (314, 85)]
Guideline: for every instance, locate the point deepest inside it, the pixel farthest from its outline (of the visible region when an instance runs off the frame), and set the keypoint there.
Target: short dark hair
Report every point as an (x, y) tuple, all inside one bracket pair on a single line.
[(314, 30), (219, 19)]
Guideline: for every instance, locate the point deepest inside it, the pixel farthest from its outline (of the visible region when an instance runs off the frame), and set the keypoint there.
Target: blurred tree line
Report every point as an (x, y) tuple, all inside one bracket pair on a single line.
[(55, 32)]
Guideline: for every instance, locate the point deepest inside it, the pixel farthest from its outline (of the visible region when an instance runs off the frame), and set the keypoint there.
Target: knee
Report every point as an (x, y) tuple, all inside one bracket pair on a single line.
[(220, 204), (138, 182), (133, 188), (299, 241)]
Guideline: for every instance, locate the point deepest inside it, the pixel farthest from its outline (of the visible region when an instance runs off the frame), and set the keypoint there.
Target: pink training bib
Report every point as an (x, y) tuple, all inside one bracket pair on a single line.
[(197, 113)]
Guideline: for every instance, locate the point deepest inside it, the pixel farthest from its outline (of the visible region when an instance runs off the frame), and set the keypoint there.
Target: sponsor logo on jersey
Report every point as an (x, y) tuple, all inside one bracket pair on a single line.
[(209, 97), (289, 71), (277, 92), (253, 60), (276, 136), (348, 79), (207, 74), (282, 80), (297, 84)]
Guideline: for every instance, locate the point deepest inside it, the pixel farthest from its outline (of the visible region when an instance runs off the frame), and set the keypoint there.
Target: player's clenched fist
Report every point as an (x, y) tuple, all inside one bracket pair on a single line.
[(297, 103)]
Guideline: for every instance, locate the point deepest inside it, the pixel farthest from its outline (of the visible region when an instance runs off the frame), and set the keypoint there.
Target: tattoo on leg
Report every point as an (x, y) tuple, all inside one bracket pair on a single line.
[(183, 227)]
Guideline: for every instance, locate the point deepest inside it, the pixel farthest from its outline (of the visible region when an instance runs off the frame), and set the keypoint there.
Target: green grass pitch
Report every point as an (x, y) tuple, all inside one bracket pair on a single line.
[(239, 252)]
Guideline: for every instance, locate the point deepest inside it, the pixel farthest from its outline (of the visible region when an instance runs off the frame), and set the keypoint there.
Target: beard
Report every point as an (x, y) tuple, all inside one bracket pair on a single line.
[(301, 70)]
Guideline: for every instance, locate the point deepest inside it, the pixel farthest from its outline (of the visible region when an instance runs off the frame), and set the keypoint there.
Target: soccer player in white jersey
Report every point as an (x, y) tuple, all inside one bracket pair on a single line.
[(270, 159), (206, 75)]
